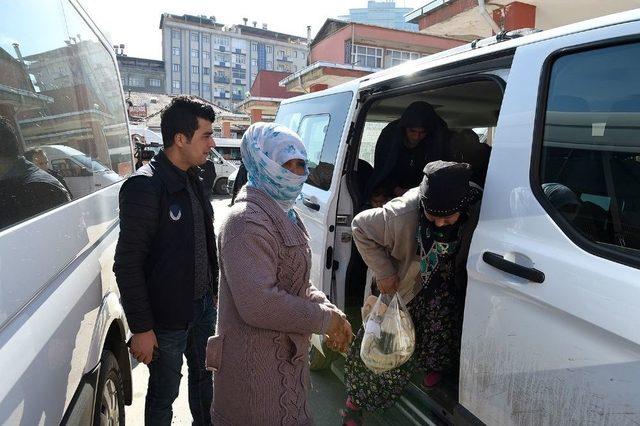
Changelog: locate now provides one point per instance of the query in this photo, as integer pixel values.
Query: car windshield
(90, 164)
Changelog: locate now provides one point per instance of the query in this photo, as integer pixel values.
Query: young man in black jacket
(165, 262)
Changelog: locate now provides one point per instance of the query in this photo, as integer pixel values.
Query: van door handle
(313, 206)
(513, 268)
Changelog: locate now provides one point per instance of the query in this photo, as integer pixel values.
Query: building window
(206, 56)
(195, 87)
(269, 49)
(176, 67)
(269, 65)
(239, 59)
(254, 63)
(206, 70)
(136, 81)
(206, 88)
(154, 82)
(280, 54)
(295, 54)
(254, 47)
(239, 73)
(175, 51)
(364, 56)
(195, 53)
(195, 37)
(301, 55)
(195, 69)
(175, 34)
(206, 38)
(175, 84)
(396, 57)
(225, 41)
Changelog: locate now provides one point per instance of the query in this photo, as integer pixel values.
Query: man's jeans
(164, 373)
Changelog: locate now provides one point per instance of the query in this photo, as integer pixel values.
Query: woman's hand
(388, 285)
(339, 334)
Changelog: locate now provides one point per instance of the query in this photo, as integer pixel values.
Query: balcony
(224, 64)
(237, 97)
(221, 95)
(221, 79)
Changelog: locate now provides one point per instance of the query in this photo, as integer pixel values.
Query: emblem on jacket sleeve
(175, 213)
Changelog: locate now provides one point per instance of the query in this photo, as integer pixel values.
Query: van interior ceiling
(471, 105)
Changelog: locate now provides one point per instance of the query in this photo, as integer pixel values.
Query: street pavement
(327, 394)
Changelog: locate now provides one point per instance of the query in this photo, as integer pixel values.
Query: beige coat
(386, 239)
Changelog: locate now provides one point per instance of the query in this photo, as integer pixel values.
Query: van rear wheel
(110, 393)
(220, 187)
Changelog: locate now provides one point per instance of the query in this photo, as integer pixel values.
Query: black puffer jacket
(154, 260)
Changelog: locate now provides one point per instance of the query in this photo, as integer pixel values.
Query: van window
(319, 122)
(63, 124)
(590, 159)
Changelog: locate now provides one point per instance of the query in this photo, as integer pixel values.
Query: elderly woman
(267, 307)
(417, 245)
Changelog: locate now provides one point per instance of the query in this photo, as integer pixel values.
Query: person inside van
(405, 146)
(431, 226)
(25, 189)
(380, 196)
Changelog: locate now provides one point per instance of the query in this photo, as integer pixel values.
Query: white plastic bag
(389, 335)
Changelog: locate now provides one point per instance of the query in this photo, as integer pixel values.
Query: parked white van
(229, 149)
(63, 332)
(550, 331)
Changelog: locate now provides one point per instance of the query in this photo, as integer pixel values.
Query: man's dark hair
(8, 139)
(181, 116)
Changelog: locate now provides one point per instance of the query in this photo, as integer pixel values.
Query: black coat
(154, 260)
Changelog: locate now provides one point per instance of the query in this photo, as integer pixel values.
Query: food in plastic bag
(389, 335)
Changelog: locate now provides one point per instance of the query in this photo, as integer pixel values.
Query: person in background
(268, 309)
(25, 189)
(166, 262)
(38, 157)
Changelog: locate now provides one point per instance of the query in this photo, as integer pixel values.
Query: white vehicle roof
(227, 142)
(62, 149)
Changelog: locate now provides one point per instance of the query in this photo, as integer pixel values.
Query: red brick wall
(266, 85)
(448, 11)
(331, 49)
(515, 15)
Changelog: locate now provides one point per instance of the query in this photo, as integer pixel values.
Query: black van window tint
(63, 130)
(590, 162)
(320, 123)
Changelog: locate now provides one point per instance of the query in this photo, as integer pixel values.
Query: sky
(136, 23)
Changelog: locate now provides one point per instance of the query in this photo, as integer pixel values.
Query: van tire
(319, 362)
(109, 409)
(220, 187)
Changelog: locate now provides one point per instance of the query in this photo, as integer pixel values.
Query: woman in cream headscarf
(267, 307)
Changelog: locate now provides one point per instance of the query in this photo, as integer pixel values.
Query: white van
(229, 149)
(224, 169)
(63, 332)
(550, 331)
(82, 174)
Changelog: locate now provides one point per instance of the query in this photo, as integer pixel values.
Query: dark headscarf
(421, 114)
(445, 188)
